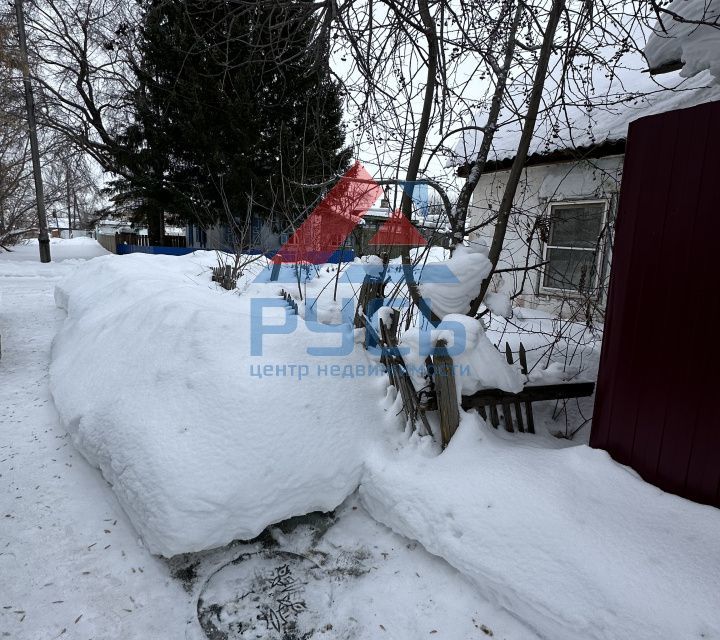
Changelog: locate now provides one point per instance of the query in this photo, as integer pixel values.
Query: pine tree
(233, 109)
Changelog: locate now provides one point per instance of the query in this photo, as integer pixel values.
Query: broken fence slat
(519, 417)
(516, 405)
(529, 416)
(531, 393)
(523, 359)
(494, 417)
(507, 414)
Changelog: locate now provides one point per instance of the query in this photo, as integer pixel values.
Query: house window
(571, 252)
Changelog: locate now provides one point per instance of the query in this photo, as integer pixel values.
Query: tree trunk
(478, 166)
(522, 151)
(417, 155)
(156, 227)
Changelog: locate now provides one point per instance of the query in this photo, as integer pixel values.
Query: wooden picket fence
(372, 289)
(144, 240)
(439, 393)
(488, 402)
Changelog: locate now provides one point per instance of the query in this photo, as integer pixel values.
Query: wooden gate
(656, 407)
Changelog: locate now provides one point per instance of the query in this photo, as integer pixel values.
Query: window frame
(599, 246)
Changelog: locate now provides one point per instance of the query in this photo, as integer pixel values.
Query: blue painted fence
(341, 255)
(124, 249)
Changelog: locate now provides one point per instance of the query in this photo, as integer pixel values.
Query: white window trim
(554, 291)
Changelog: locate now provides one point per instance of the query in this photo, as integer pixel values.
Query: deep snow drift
(152, 376)
(571, 542)
(61, 249)
(70, 563)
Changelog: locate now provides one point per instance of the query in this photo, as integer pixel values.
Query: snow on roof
(378, 212)
(696, 46)
(111, 222)
(597, 113)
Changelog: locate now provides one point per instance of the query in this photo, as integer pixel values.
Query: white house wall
(540, 186)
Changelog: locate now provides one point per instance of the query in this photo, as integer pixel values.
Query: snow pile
(477, 363)
(498, 303)
(153, 376)
(203, 442)
(61, 249)
(449, 286)
(697, 46)
(574, 544)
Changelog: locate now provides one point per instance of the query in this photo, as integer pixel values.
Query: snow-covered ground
(345, 575)
(70, 562)
(204, 443)
(571, 542)
(72, 565)
(520, 536)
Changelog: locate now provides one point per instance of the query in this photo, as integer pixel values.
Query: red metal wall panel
(657, 403)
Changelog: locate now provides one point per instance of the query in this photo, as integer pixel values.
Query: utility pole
(69, 202)
(44, 240)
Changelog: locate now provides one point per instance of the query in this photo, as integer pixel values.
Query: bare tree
(419, 74)
(73, 190)
(17, 205)
(82, 57)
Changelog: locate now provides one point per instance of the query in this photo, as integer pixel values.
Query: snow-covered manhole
(276, 595)
(341, 576)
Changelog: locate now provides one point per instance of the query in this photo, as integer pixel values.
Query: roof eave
(601, 150)
(666, 67)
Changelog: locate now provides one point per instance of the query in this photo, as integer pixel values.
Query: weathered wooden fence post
(372, 289)
(506, 407)
(528, 405)
(446, 392)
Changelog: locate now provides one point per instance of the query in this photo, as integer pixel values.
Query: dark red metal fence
(657, 405)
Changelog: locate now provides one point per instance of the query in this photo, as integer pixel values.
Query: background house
(255, 234)
(559, 241)
(363, 233)
(120, 236)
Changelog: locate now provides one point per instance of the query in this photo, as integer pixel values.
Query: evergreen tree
(233, 109)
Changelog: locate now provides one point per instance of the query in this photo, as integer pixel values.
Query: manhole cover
(271, 594)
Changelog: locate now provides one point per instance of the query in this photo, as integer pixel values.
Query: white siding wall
(540, 186)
